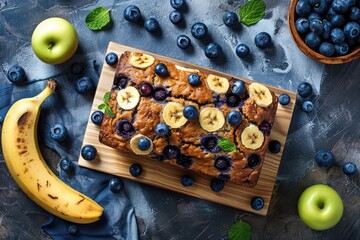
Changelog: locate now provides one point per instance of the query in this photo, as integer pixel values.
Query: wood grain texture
(166, 176)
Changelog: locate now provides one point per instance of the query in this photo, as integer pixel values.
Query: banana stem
(49, 89)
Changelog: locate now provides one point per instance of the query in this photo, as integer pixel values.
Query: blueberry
(175, 17)
(84, 85)
(238, 88)
(116, 185)
(234, 118)
(324, 158)
(313, 16)
(233, 100)
(111, 58)
(316, 26)
(284, 99)
(321, 7)
(262, 40)
(72, 229)
(253, 161)
(135, 170)
(338, 20)
(161, 70)
(217, 185)
(307, 106)
(222, 163)
(330, 14)
(121, 81)
(327, 30)
(146, 89)
(88, 152)
(132, 14)
(327, 49)
(190, 112)
(350, 3)
(354, 14)
(337, 36)
(160, 94)
(144, 143)
(230, 19)
(67, 165)
(16, 74)
(257, 203)
(352, 30)
(312, 40)
(305, 89)
(339, 6)
(302, 25)
(97, 117)
(313, 2)
(151, 25)
(76, 68)
(186, 180)
(274, 146)
(194, 79)
(162, 129)
(58, 132)
(213, 50)
(199, 30)
(302, 8)
(183, 41)
(242, 50)
(349, 168)
(124, 128)
(342, 49)
(171, 152)
(209, 143)
(178, 4)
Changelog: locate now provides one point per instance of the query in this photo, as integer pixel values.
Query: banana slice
(134, 145)
(128, 98)
(217, 84)
(252, 137)
(192, 70)
(140, 60)
(211, 119)
(173, 115)
(261, 94)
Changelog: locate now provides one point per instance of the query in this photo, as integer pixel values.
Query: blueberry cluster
(330, 27)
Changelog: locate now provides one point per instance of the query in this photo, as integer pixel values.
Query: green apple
(320, 207)
(54, 40)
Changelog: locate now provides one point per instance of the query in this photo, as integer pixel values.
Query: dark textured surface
(162, 214)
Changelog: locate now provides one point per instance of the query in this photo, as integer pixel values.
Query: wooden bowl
(354, 54)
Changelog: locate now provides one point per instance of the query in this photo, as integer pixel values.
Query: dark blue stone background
(163, 214)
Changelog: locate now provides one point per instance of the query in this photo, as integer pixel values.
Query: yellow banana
(30, 171)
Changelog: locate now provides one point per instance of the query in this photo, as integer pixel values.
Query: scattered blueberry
(124, 128)
(135, 170)
(58, 132)
(162, 129)
(217, 184)
(312, 40)
(194, 79)
(199, 30)
(222, 163)
(257, 203)
(302, 8)
(302, 25)
(190, 112)
(186, 180)
(307, 106)
(253, 160)
(116, 185)
(337, 36)
(175, 17)
(161, 70)
(242, 50)
(88, 152)
(349, 168)
(284, 99)
(151, 25)
(67, 165)
(146, 89)
(338, 20)
(144, 143)
(238, 88)
(160, 94)
(97, 117)
(327, 49)
(234, 118)
(84, 85)
(16, 74)
(342, 49)
(177, 4)
(76, 68)
(274, 146)
(132, 14)
(72, 229)
(262, 40)
(339, 6)
(171, 152)
(316, 26)
(230, 19)
(111, 58)
(183, 41)
(213, 50)
(304, 89)
(209, 143)
(352, 30)
(324, 158)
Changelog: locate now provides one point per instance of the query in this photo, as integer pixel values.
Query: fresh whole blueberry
(337, 36)
(213, 50)
(160, 94)
(88, 152)
(72, 229)
(324, 158)
(121, 81)
(76, 68)
(304, 89)
(339, 6)
(349, 168)
(111, 58)
(234, 118)
(16, 74)
(161, 70)
(217, 185)
(194, 79)
(183, 41)
(58, 132)
(342, 49)
(238, 88)
(124, 128)
(144, 143)
(232, 100)
(97, 117)
(190, 112)
(171, 152)
(151, 25)
(178, 4)
(67, 165)
(284, 99)
(257, 203)
(302, 8)
(162, 130)
(262, 40)
(84, 85)
(338, 20)
(175, 17)
(313, 16)
(209, 143)
(186, 180)
(135, 170)
(327, 29)
(116, 185)
(146, 89)
(351, 30)
(274, 146)
(302, 25)
(199, 30)
(132, 14)
(354, 14)
(242, 50)
(222, 163)
(253, 161)
(321, 7)
(230, 19)
(330, 14)
(307, 106)
(316, 26)
(327, 49)
(312, 40)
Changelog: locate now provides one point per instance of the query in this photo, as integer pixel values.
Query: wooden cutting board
(155, 173)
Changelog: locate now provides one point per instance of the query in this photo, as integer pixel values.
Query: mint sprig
(240, 230)
(252, 11)
(105, 107)
(98, 18)
(226, 145)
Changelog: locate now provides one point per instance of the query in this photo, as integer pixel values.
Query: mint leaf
(226, 145)
(109, 112)
(98, 18)
(102, 106)
(106, 97)
(240, 230)
(252, 12)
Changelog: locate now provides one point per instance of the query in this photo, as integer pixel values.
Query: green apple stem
(51, 45)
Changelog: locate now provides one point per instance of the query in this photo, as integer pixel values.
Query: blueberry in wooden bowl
(327, 31)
